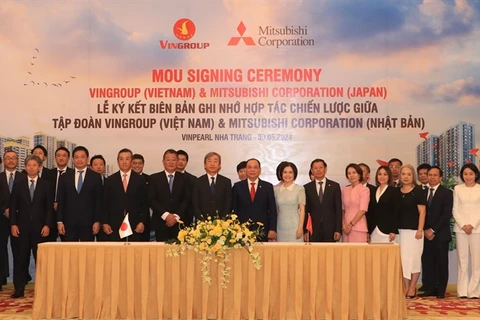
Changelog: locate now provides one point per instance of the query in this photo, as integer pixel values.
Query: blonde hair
(414, 173)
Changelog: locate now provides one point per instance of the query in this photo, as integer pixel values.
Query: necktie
(212, 185)
(170, 181)
(10, 182)
(124, 182)
(320, 192)
(395, 184)
(32, 188)
(430, 196)
(60, 172)
(252, 191)
(80, 181)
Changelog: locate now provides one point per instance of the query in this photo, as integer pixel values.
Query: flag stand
(126, 243)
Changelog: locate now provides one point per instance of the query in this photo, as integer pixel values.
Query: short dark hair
(357, 169)
(125, 150)
(80, 148)
(438, 168)
(389, 173)
(286, 164)
(280, 170)
(254, 159)
(423, 166)
(63, 149)
(318, 160)
(39, 146)
(95, 157)
(470, 166)
(182, 153)
(365, 165)
(241, 165)
(138, 156)
(395, 160)
(169, 151)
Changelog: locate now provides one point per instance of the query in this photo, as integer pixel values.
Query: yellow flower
(209, 240)
(181, 235)
(260, 224)
(234, 217)
(217, 230)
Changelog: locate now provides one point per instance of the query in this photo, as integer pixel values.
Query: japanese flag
(125, 229)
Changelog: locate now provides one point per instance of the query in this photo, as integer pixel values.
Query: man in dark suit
(98, 164)
(395, 164)
(7, 180)
(422, 173)
(324, 205)
(181, 167)
(79, 198)
(31, 212)
(125, 192)
(254, 199)
(62, 157)
(44, 172)
(373, 189)
(169, 196)
(138, 163)
(437, 235)
(212, 195)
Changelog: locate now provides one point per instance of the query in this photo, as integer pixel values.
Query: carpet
(451, 307)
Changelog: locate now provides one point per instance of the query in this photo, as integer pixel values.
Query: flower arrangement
(212, 238)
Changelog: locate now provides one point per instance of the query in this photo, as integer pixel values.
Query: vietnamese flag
(309, 224)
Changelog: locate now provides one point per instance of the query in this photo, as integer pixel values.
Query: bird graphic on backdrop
(36, 57)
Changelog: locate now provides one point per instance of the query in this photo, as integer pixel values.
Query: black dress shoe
(1, 289)
(428, 294)
(473, 297)
(17, 294)
(29, 278)
(422, 288)
(4, 281)
(463, 297)
(440, 296)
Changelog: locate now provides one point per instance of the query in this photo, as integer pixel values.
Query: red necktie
(252, 191)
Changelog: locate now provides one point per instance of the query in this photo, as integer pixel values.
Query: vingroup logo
(184, 29)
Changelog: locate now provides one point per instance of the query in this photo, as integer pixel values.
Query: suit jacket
(162, 200)
(217, 204)
(117, 202)
(84, 208)
(5, 191)
(328, 214)
(439, 213)
(54, 174)
(263, 207)
(192, 180)
(382, 213)
(37, 213)
(146, 177)
(373, 190)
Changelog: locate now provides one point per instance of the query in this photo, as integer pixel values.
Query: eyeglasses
(10, 158)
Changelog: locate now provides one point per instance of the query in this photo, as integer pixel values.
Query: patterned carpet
(418, 309)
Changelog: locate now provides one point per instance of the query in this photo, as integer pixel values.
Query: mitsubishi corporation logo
(241, 30)
(184, 29)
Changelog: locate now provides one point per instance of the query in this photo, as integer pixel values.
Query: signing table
(296, 281)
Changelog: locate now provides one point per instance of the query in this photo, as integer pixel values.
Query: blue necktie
(32, 189)
(170, 181)
(212, 185)
(10, 183)
(80, 181)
